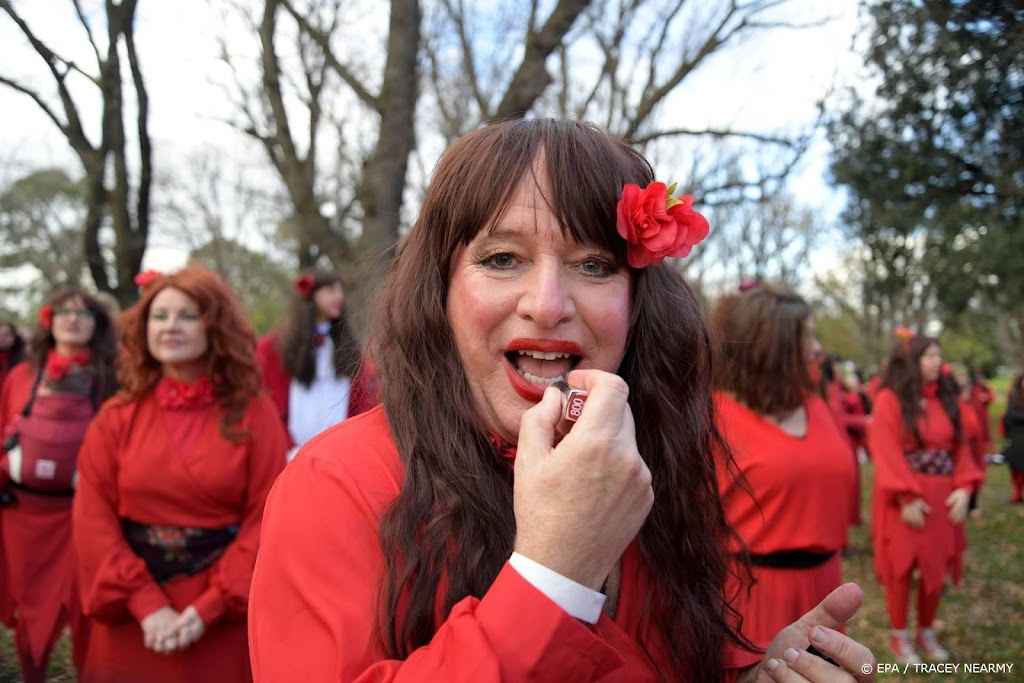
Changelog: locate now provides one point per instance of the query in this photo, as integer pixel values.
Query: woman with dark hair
(174, 474)
(956, 374)
(924, 475)
(312, 366)
(830, 387)
(453, 533)
(789, 497)
(12, 349)
(1013, 430)
(46, 405)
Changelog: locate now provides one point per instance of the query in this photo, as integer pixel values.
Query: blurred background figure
(46, 405)
(174, 474)
(832, 390)
(12, 348)
(1013, 429)
(924, 476)
(791, 498)
(981, 399)
(958, 376)
(312, 365)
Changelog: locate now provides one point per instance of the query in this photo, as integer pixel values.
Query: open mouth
(542, 367)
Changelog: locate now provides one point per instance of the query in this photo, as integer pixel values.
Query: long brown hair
(761, 333)
(1015, 396)
(229, 358)
(453, 520)
(903, 376)
(295, 344)
(102, 345)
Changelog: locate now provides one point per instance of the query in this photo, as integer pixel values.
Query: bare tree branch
(717, 133)
(88, 31)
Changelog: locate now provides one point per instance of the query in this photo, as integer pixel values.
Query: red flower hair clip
(147, 276)
(904, 334)
(305, 285)
(748, 284)
(46, 316)
(656, 224)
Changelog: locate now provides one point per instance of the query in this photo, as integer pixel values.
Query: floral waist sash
(172, 550)
(929, 461)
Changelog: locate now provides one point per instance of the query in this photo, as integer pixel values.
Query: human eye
(190, 315)
(501, 260)
(599, 266)
(158, 314)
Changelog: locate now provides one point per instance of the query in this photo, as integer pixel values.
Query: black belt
(791, 559)
(169, 551)
(56, 493)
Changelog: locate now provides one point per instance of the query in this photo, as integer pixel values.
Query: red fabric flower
(58, 365)
(748, 284)
(177, 395)
(305, 285)
(656, 224)
(147, 276)
(904, 334)
(46, 316)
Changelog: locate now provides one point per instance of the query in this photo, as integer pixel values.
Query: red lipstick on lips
(521, 385)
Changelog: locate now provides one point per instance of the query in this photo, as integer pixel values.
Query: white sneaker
(903, 649)
(929, 646)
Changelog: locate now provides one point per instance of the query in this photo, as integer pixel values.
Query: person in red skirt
(174, 473)
(790, 496)
(46, 404)
(924, 477)
(1013, 431)
(312, 365)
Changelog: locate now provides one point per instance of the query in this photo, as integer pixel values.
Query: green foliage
(42, 218)
(934, 163)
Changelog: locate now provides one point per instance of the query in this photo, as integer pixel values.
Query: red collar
(930, 389)
(175, 394)
(504, 448)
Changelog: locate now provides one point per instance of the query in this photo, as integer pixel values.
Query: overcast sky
(772, 82)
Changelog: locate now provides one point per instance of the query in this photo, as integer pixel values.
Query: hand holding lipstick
(579, 503)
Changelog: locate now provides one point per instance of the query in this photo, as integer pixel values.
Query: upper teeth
(544, 355)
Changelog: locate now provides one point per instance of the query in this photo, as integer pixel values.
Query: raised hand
(579, 503)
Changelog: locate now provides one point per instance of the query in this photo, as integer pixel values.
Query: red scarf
(58, 365)
(175, 394)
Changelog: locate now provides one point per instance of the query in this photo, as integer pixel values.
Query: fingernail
(790, 655)
(773, 664)
(818, 635)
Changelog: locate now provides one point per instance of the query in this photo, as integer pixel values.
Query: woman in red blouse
(46, 405)
(453, 533)
(174, 473)
(924, 477)
(794, 475)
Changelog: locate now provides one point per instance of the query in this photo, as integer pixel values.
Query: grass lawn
(981, 622)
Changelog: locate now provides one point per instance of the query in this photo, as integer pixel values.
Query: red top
(14, 394)
(889, 441)
(317, 586)
(130, 467)
(802, 484)
(361, 396)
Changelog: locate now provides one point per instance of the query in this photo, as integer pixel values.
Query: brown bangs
(584, 186)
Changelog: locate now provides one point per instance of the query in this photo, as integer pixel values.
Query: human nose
(548, 299)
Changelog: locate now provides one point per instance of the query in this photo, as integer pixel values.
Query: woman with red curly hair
(173, 477)
(312, 365)
(46, 406)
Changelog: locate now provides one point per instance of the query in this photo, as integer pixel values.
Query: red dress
(362, 395)
(152, 465)
(847, 422)
(802, 486)
(37, 576)
(899, 547)
(976, 441)
(318, 578)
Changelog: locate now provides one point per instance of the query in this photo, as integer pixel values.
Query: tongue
(544, 368)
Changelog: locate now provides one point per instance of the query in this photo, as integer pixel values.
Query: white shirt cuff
(575, 598)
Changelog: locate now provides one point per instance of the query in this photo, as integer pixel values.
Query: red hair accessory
(656, 224)
(46, 316)
(748, 284)
(305, 285)
(904, 334)
(147, 276)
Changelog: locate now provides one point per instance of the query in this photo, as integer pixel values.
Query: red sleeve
(966, 474)
(316, 591)
(231, 575)
(113, 580)
(885, 442)
(363, 395)
(275, 378)
(17, 386)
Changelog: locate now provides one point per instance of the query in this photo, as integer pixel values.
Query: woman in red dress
(12, 349)
(312, 366)
(957, 375)
(794, 472)
(46, 405)
(923, 482)
(453, 533)
(174, 473)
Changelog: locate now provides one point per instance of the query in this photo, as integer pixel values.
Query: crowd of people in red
(442, 520)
